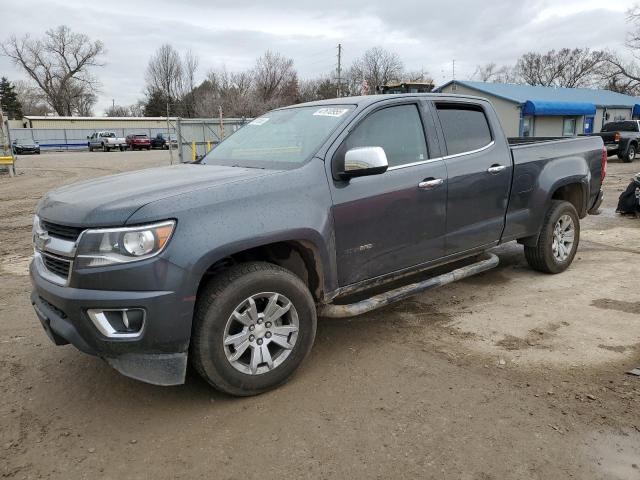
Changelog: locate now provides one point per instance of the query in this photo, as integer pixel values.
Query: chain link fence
(196, 136)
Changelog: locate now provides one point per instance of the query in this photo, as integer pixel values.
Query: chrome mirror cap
(363, 161)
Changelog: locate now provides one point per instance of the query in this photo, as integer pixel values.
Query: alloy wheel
(260, 333)
(563, 238)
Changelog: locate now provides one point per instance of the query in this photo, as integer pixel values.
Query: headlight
(110, 246)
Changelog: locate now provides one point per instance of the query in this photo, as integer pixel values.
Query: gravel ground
(510, 374)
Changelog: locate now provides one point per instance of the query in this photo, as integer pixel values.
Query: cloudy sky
(427, 34)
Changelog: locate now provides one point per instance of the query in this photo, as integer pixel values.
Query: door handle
(428, 183)
(493, 169)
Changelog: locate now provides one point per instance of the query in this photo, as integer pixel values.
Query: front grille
(61, 231)
(57, 265)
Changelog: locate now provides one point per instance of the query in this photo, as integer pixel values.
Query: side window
(465, 127)
(396, 129)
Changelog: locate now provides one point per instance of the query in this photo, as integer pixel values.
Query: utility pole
(113, 103)
(453, 73)
(339, 89)
(169, 137)
(221, 123)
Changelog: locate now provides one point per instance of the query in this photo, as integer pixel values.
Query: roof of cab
(364, 100)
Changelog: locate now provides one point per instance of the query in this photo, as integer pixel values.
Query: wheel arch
(301, 256)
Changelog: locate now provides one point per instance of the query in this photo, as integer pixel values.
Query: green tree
(9, 100)
(155, 105)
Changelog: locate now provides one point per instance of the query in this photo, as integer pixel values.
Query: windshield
(279, 139)
(108, 134)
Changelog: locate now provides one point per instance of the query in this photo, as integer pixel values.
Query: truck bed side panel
(540, 169)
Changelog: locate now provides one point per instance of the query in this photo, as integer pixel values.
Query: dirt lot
(511, 374)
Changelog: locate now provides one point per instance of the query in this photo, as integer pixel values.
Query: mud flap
(158, 369)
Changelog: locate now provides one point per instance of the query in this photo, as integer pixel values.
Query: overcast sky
(427, 34)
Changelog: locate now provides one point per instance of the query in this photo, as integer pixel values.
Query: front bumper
(158, 355)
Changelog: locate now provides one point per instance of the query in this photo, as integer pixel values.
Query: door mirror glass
(362, 161)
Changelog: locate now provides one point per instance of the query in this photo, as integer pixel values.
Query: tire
(105, 148)
(542, 257)
(89, 147)
(230, 292)
(630, 155)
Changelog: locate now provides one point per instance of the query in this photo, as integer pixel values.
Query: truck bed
(532, 158)
(514, 141)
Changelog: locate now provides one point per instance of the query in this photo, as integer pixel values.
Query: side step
(344, 311)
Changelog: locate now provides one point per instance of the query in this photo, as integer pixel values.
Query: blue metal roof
(540, 108)
(523, 93)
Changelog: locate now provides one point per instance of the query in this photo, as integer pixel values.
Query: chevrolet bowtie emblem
(40, 240)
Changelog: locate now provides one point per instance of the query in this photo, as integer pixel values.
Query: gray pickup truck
(331, 208)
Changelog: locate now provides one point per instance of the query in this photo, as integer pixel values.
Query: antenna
(339, 89)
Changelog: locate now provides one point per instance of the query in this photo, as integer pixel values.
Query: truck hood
(111, 200)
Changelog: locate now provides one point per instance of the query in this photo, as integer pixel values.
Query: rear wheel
(254, 325)
(630, 154)
(558, 241)
(105, 148)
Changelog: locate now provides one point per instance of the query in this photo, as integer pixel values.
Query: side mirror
(88, 137)
(363, 161)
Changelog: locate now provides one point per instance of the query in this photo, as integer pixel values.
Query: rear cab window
(621, 127)
(465, 127)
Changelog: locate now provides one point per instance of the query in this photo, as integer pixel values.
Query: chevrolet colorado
(306, 211)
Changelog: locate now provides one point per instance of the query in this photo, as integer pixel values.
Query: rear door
(395, 220)
(479, 175)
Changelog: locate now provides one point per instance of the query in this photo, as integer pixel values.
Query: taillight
(603, 167)
(616, 137)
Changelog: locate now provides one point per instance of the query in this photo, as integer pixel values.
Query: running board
(344, 311)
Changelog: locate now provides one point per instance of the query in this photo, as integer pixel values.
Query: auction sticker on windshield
(331, 112)
(259, 121)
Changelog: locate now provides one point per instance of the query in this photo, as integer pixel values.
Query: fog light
(118, 323)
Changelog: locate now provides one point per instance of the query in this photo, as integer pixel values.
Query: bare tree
(118, 111)
(32, 99)
(578, 67)
(623, 75)
(233, 92)
(275, 79)
(60, 64)
(421, 76)
(171, 79)
(165, 73)
(491, 72)
(376, 67)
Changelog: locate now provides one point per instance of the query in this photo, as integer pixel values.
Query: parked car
(160, 141)
(621, 139)
(106, 141)
(22, 146)
(138, 142)
(228, 262)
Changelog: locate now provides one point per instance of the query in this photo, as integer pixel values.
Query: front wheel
(630, 154)
(558, 241)
(254, 324)
(105, 148)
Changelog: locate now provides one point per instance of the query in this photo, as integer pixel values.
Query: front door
(479, 177)
(394, 220)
